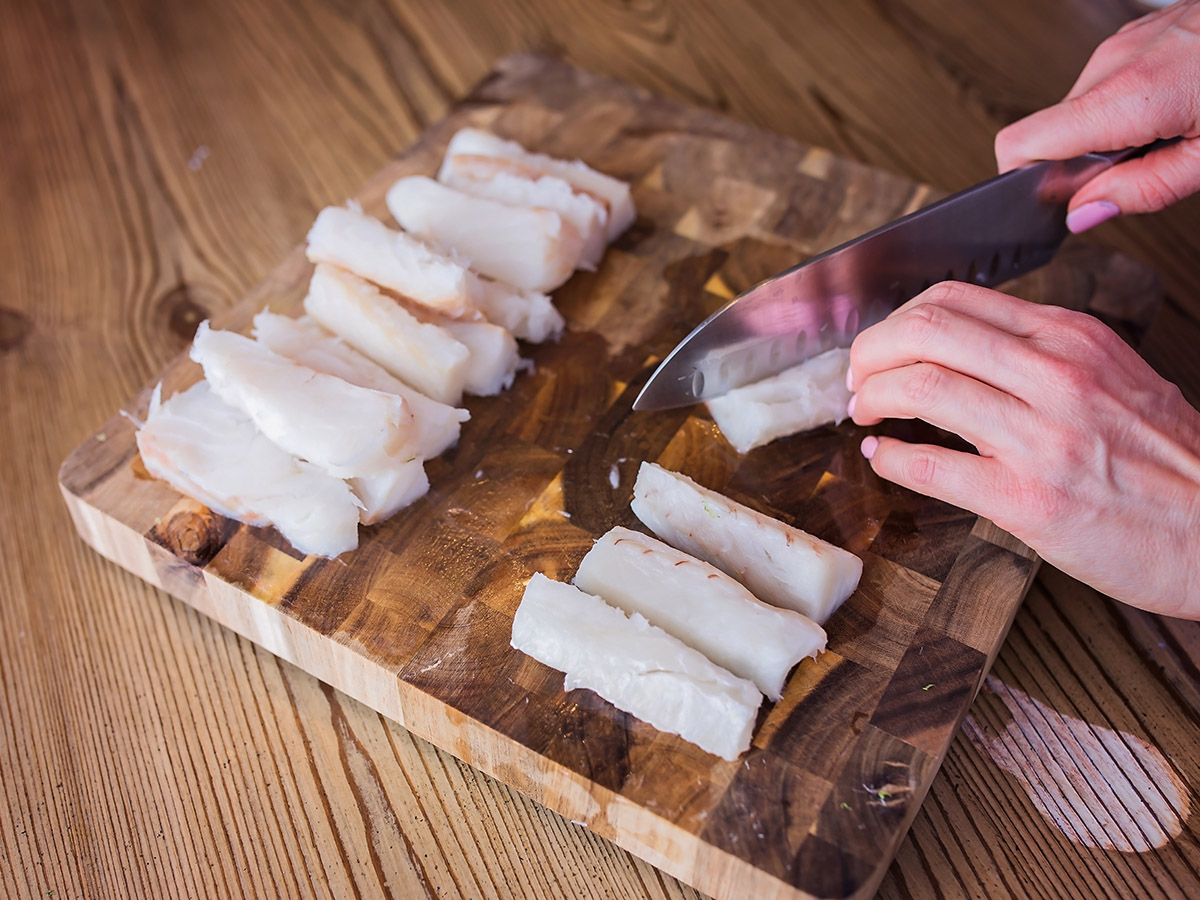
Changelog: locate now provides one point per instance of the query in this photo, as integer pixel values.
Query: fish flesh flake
(636, 667)
(424, 355)
(210, 451)
(778, 563)
(528, 315)
(345, 429)
(805, 396)
(701, 605)
(613, 192)
(534, 249)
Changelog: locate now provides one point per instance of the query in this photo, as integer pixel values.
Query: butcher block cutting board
(416, 621)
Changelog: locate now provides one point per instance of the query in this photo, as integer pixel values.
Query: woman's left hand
(1085, 453)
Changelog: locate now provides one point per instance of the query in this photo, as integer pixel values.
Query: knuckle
(923, 324)
(1069, 376)
(921, 469)
(1155, 192)
(921, 384)
(949, 291)
(1092, 333)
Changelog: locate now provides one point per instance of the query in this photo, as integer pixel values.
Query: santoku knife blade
(987, 234)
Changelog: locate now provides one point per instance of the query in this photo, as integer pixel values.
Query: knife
(986, 234)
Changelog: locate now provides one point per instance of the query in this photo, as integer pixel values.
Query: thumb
(1144, 185)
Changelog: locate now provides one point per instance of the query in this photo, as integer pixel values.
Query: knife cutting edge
(999, 229)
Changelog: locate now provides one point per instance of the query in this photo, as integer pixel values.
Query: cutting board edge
(705, 867)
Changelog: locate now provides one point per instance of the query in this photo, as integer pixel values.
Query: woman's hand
(1085, 453)
(1141, 84)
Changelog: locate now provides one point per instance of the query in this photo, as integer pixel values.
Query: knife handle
(1063, 178)
(1120, 156)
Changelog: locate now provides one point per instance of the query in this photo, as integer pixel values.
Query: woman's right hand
(1141, 84)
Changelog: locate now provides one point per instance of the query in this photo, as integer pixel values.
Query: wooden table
(158, 159)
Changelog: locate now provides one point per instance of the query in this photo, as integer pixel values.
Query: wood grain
(416, 622)
(143, 736)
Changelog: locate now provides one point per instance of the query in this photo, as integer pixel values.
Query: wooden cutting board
(416, 622)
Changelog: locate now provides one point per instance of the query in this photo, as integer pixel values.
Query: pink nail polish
(849, 380)
(1090, 215)
(850, 406)
(869, 443)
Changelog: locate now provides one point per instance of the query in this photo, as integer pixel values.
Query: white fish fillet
(424, 355)
(534, 249)
(797, 399)
(306, 342)
(701, 605)
(528, 315)
(354, 241)
(345, 429)
(636, 667)
(614, 192)
(212, 452)
(511, 182)
(778, 563)
(385, 493)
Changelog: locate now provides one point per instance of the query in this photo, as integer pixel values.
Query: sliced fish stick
(345, 429)
(513, 183)
(778, 563)
(358, 243)
(421, 354)
(212, 452)
(805, 396)
(306, 342)
(533, 249)
(614, 192)
(701, 605)
(636, 667)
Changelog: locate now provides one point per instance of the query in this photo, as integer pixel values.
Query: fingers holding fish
(990, 419)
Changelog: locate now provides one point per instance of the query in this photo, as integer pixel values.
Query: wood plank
(415, 623)
(297, 104)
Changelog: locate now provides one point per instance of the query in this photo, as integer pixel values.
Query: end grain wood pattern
(416, 622)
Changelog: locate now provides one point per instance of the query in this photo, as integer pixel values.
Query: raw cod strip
(533, 249)
(778, 563)
(614, 192)
(636, 667)
(345, 429)
(351, 240)
(425, 356)
(701, 606)
(510, 182)
(213, 453)
(797, 399)
(306, 342)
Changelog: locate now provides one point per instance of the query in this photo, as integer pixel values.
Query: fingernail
(849, 380)
(1090, 215)
(869, 443)
(850, 406)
